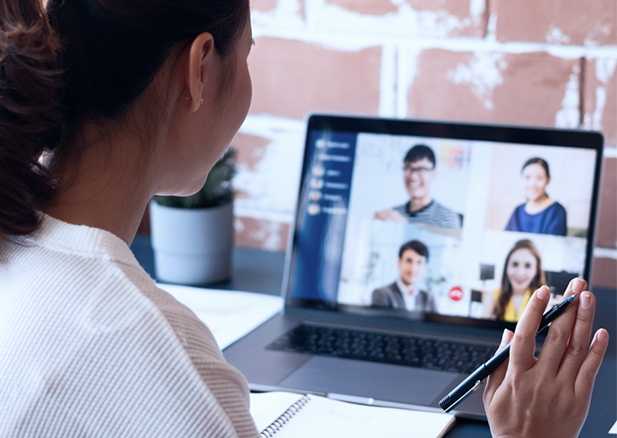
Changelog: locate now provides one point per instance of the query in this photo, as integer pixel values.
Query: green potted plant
(192, 236)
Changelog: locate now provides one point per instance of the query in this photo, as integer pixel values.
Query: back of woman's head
(77, 61)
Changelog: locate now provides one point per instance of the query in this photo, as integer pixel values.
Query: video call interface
(422, 225)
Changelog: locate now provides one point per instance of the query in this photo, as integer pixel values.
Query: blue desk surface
(262, 271)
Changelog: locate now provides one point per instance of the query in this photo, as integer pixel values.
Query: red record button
(456, 293)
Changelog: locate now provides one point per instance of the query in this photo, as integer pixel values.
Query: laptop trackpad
(371, 380)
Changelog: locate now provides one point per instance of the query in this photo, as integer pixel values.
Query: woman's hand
(547, 396)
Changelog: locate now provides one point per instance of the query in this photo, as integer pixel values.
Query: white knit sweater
(90, 347)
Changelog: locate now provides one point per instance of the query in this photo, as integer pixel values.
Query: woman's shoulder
(557, 207)
(101, 285)
(518, 209)
(173, 317)
(554, 211)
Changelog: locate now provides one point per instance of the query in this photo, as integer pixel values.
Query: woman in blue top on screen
(540, 214)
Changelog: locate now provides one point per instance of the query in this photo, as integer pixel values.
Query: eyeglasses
(421, 171)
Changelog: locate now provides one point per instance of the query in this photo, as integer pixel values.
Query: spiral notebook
(286, 414)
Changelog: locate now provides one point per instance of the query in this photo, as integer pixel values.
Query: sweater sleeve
(225, 382)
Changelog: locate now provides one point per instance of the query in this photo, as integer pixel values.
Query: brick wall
(535, 62)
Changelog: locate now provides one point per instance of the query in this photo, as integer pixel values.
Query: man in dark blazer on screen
(404, 293)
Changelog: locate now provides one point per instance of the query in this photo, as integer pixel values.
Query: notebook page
(328, 418)
(267, 406)
(228, 314)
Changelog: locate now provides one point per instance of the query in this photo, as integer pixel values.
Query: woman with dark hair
(522, 274)
(539, 214)
(103, 104)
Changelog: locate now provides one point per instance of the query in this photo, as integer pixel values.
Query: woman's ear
(201, 54)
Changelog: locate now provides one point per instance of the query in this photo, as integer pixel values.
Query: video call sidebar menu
(321, 226)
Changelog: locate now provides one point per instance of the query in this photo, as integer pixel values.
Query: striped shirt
(434, 214)
(90, 347)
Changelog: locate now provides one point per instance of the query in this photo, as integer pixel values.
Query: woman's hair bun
(30, 111)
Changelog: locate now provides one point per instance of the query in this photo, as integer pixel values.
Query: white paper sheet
(327, 418)
(228, 314)
(613, 429)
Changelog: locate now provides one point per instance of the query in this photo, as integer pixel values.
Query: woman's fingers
(494, 380)
(524, 342)
(559, 337)
(579, 340)
(583, 386)
(576, 286)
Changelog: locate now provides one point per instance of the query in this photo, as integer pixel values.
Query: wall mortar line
(581, 92)
(487, 15)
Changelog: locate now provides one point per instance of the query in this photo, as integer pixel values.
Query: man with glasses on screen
(419, 173)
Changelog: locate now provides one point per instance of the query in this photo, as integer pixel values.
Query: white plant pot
(192, 246)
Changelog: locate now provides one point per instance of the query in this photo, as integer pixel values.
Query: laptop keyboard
(385, 348)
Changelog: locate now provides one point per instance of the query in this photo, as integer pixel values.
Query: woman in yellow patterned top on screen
(522, 274)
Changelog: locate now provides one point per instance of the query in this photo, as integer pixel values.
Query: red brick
(604, 273)
(526, 88)
(366, 7)
(263, 5)
(292, 78)
(600, 98)
(262, 234)
(572, 22)
(606, 232)
(250, 149)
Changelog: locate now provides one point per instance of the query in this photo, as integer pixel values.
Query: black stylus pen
(471, 383)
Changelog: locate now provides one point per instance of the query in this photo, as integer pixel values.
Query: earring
(201, 102)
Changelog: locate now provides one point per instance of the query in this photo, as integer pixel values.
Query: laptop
(415, 244)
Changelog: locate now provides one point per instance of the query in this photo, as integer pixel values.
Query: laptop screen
(440, 221)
